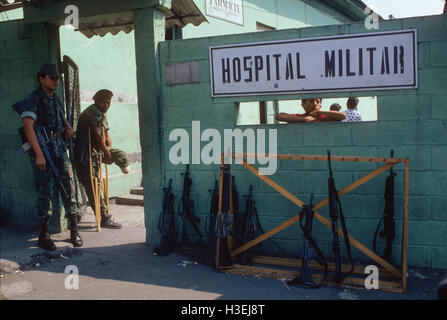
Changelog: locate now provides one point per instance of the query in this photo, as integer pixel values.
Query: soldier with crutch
(93, 147)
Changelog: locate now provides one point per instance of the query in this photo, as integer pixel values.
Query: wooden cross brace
(389, 162)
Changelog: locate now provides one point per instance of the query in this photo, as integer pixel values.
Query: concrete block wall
(411, 122)
(23, 48)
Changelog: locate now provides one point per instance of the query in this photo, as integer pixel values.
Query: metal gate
(72, 97)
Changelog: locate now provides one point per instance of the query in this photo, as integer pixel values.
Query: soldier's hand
(107, 157)
(41, 162)
(68, 133)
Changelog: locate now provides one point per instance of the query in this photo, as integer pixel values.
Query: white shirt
(352, 116)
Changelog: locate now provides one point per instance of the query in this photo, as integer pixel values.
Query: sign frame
(224, 19)
(414, 63)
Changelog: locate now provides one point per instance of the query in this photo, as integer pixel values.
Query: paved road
(118, 264)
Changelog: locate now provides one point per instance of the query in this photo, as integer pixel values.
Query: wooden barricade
(398, 278)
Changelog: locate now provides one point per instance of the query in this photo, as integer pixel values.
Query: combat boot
(75, 237)
(45, 241)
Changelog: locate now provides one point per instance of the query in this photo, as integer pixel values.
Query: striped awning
(182, 12)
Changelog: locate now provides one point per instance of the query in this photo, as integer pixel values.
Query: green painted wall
(11, 15)
(278, 14)
(109, 61)
(104, 62)
(412, 122)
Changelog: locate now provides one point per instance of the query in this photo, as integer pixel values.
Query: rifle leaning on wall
(250, 224)
(166, 224)
(388, 217)
(211, 221)
(186, 212)
(238, 218)
(249, 227)
(310, 251)
(336, 211)
(223, 223)
(45, 144)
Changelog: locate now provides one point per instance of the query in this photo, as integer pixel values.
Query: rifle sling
(258, 222)
(376, 232)
(196, 228)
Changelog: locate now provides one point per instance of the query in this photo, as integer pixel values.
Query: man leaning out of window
(312, 113)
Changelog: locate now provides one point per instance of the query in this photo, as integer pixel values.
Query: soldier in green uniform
(43, 108)
(95, 119)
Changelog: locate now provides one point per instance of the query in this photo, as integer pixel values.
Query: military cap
(103, 94)
(49, 69)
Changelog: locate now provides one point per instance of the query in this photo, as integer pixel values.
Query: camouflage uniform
(48, 112)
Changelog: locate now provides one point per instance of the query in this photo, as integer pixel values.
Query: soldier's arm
(68, 130)
(331, 115)
(28, 126)
(99, 142)
(285, 117)
(108, 139)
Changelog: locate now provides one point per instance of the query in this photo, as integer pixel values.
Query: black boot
(75, 237)
(45, 241)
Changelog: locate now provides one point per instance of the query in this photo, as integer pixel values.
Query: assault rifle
(311, 251)
(45, 145)
(212, 218)
(249, 227)
(238, 218)
(187, 211)
(387, 217)
(223, 223)
(166, 224)
(250, 224)
(334, 207)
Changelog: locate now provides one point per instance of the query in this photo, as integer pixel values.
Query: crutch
(96, 187)
(106, 182)
(106, 188)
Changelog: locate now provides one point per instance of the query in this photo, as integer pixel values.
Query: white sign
(228, 10)
(361, 62)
